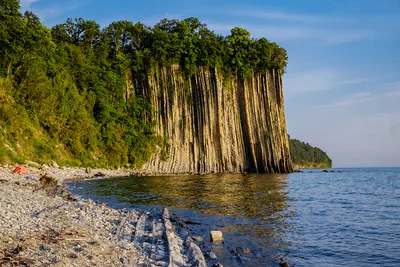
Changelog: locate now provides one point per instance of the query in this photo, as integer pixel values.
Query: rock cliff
(215, 125)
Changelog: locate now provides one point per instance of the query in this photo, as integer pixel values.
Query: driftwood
(19, 261)
(11, 257)
(179, 220)
(53, 236)
(48, 209)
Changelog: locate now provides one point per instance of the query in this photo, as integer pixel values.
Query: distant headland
(306, 156)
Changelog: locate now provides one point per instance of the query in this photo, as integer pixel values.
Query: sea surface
(344, 217)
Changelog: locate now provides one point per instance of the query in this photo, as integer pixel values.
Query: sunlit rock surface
(215, 125)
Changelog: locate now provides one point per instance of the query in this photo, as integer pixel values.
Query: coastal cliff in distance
(212, 126)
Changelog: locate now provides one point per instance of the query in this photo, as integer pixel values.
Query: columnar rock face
(214, 125)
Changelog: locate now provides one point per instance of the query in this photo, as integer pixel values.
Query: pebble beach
(41, 224)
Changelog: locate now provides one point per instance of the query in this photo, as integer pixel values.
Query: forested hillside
(66, 93)
(306, 156)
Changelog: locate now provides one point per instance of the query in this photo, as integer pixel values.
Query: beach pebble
(243, 250)
(52, 230)
(54, 164)
(197, 238)
(211, 255)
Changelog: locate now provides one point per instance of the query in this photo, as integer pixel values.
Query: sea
(333, 217)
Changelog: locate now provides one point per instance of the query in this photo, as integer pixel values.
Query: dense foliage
(64, 91)
(306, 156)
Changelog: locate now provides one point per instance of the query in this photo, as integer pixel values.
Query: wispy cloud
(392, 89)
(390, 121)
(277, 25)
(27, 3)
(297, 33)
(276, 33)
(341, 37)
(395, 93)
(353, 81)
(361, 95)
(385, 93)
(319, 80)
(49, 12)
(284, 16)
(349, 100)
(57, 9)
(309, 81)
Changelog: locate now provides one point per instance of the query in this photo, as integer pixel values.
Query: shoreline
(44, 225)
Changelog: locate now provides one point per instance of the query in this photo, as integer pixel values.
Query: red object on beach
(20, 170)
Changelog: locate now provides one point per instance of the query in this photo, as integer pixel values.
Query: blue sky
(342, 86)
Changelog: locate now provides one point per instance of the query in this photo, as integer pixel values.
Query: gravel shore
(42, 224)
(40, 228)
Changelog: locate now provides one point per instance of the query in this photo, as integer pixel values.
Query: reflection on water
(251, 209)
(349, 217)
(249, 196)
(246, 196)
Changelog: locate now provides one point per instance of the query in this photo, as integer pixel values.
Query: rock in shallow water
(211, 255)
(216, 236)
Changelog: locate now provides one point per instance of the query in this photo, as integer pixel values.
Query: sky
(342, 83)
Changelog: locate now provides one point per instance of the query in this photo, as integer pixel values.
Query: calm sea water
(349, 217)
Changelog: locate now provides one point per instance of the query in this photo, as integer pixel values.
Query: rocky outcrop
(215, 125)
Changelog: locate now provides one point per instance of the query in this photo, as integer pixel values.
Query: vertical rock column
(212, 126)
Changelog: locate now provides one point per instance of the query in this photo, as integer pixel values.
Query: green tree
(239, 43)
(11, 35)
(75, 29)
(91, 33)
(118, 34)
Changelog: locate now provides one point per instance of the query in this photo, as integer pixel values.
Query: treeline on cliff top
(63, 90)
(306, 156)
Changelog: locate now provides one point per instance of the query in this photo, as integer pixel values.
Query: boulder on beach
(54, 164)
